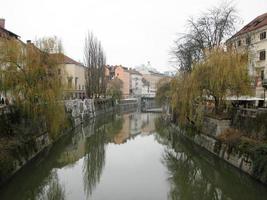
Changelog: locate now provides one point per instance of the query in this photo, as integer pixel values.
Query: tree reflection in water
(53, 190)
(193, 173)
(187, 179)
(94, 159)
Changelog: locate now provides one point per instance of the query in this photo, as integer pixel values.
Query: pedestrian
(2, 101)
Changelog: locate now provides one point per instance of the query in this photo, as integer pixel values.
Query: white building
(253, 37)
(135, 83)
(151, 77)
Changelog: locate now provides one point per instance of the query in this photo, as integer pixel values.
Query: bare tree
(207, 31)
(95, 61)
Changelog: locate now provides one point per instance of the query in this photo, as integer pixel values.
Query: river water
(129, 157)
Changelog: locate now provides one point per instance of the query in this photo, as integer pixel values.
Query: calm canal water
(129, 157)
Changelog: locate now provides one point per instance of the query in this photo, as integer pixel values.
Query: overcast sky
(132, 31)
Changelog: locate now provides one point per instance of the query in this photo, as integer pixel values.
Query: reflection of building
(135, 124)
(148, 125)
(253, 37)
(124, 133)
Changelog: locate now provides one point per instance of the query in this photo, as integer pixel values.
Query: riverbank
(20, 149)
(227, 141)
(86, 164)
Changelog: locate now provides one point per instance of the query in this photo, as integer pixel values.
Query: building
(132, 81)
(72, 72)
(135, 83)
(151, 77)
(253, 38)
(4, 33)
(123, 74)
(110, 71)
(73, 76)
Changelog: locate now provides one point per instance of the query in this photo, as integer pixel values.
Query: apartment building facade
(253, 37)
(73, 76)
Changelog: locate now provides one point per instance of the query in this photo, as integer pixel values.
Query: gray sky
(132, 31)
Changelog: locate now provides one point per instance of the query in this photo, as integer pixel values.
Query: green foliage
(163, 91)
(185, 96)
(260, 162)
(219, 75)
(114, 89)
(30, 78)
(255, 128)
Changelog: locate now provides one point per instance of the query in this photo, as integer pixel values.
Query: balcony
(264, 83)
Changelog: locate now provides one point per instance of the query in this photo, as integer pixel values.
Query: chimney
(2, 23)
(29, 41)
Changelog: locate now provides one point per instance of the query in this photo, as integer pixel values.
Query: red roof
(68, 60)
(255, 24)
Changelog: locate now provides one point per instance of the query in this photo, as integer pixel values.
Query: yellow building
(73, 76)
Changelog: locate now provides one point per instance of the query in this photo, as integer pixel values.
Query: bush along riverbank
(241, 140)
(22, 139)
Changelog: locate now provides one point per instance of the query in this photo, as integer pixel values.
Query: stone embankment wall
(78, 111)
(206, 138)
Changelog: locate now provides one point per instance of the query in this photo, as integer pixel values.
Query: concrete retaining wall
(208, 141)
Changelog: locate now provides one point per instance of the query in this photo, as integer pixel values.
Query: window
(76, 82)
(69, 82)
(262, 55)
(239, 43)
(59, 71)
(262, 74)
(248, 40)
(262, 35)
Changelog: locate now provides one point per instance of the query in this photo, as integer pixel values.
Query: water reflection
(53, 189)
(195, 174)
(129, 157)
(94, 160)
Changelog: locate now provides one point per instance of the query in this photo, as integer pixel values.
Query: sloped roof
(255, 24)
(68, 60)
(9, 33)
(132, 71)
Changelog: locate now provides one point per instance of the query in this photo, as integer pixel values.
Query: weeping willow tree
(31, 80)
(163, 91)
(223, 74)
(220, 75)
(185, 96)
